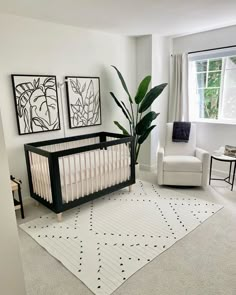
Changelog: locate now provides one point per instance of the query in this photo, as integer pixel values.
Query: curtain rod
(217, 48)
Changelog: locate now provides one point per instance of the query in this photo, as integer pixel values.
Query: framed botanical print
(36, 103)
(83, 100)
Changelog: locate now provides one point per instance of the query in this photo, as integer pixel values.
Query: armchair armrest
(204, 157)
(160, 157)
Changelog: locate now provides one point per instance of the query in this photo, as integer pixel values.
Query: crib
(67, 172)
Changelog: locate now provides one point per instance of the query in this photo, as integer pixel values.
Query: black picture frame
(81, 114)
(34, 114)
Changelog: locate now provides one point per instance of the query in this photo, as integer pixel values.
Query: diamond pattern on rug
(107, 240)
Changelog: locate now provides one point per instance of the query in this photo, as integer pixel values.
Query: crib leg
(130, 188)
(59, 217)
(36, 203)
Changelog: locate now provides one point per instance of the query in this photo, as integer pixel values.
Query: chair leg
(130, 188)
(59, 217)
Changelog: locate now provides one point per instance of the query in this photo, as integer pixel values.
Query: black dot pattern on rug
(119, 243)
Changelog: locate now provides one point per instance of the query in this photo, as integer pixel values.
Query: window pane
(229, 90)
(229, 103)
(214, 79)
(212, 85)
(201, 65)
(231, 62)
(211, 103)
(230, 73)
(200, 94)
(201, 80)
(215, 65)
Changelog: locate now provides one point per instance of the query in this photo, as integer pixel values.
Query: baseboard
(148, 168)
(144, 167)
(153, 169)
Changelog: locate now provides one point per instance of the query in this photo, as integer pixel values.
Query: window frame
(220, 119)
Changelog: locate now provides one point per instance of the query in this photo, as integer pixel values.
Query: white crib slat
(126, 161)
(91, 175)
(41, 178)
(48, 181)
(116, 167)
(81, 176)
(112, 165)
(65, 178)
(46, 178)
(122, 162)
(32, 168)
(86, 172)
(95, 169)
(70, 178)
(35, 172)
(129, 160)
(43, 174)
(108, 167)
(104, 168)
(120, 178)
(76, 178)
(100, 169)
(38, 175)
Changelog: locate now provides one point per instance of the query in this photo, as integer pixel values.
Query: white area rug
(106, 241)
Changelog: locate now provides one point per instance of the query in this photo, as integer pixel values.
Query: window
(212, 86)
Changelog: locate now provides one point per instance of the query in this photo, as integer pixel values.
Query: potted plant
(140, 123)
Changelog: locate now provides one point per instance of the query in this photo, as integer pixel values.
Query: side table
(16, 187)
(227, 159)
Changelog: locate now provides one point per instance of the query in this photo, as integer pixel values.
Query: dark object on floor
(16, 187)
(181, 131)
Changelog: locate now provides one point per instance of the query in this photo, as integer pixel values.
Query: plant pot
(137, 167)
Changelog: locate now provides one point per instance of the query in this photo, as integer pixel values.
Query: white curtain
(178, 108)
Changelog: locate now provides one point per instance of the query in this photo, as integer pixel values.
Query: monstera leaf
(44, 106)
(23, 93)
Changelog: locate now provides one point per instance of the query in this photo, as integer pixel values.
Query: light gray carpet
(201, 263)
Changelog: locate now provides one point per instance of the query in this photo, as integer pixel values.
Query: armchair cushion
(182, 164)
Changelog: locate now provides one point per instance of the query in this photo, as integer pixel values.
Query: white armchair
(180, 163)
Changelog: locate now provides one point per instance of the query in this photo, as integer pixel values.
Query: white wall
(11, 273)
(161, 47)
(144, 68)
(210, 136)
(35, 47)
(152, 56)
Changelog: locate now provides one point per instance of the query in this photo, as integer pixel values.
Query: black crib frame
(57, 205)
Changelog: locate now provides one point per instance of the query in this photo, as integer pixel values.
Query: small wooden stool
(16, 187)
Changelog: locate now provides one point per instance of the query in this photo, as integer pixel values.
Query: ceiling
(130, 17)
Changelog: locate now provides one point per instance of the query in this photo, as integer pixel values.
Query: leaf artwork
(36, 103)
(84, 101)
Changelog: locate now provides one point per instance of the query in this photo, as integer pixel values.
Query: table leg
(210, 171)
(233, 176)
(230, 167)
(21, 202)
